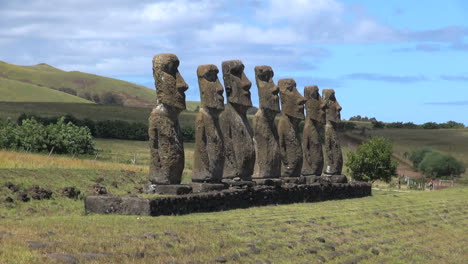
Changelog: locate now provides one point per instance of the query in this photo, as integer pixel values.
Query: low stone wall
(225, 200)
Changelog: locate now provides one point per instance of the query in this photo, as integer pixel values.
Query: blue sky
(393, 60)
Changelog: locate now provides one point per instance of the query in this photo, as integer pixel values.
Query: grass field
(16, 91)
(92, 111)
(389, 227)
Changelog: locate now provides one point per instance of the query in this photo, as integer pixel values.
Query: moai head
(314, 105)
(332, 107)
(267, 90)
(292, 102)
(211, 90)
(170, 85)
(236, 83)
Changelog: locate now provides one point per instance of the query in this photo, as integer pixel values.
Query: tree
(436, 164)
(378, 124)
(417, 156)
(372, 161)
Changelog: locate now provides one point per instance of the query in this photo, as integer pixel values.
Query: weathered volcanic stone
(209, 148)
(268, 159)
(333, 155)
(239, 147)
(207, 187)
(314, 121)
(226, 199)
(292, 104)
(165, 138)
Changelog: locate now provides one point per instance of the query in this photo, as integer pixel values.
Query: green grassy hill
(84, 85)
(16, 91)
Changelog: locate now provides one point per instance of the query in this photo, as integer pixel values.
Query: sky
(394, 60)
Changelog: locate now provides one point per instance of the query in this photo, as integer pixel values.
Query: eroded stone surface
(209, 148)
(267, 160)
(166, 144)
(313, 124)
(292, 105)
(333, 154)
(239, 147)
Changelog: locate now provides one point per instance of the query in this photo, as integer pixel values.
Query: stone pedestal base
(311, 179)
(268, 181)
(333, 179)
(198, 187)
(295, 180)
(174, 189)
(232, 184)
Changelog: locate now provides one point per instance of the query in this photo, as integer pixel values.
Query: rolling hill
(44, 83)
(16, 91)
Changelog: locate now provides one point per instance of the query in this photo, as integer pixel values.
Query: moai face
(267, 90)
(292, 102)
(314, 105)
(211, 90)
(170, 85)
(236, 83)
(332, 107)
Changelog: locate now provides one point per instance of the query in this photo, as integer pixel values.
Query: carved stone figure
(209, 149)
(237, 134)
(292, 105)
(166, 145)
(313, 124)
(268, 160)
(333, 155)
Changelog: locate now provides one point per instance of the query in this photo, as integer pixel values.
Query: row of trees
(60, 137)
(116, 129)
(410, 125)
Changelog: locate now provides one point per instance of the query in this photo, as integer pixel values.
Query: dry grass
(22, 160)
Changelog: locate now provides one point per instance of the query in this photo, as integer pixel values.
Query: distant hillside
(15, 91)
(70, 86)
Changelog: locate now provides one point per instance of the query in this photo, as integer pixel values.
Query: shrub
(372, 161)
(417, 156)
(430, 125)
(436, 164)
(60, 137)
(110, 98)
(378, 124)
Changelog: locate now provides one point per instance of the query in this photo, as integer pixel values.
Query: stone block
(268, 181)
(175, 189)
(198, 187)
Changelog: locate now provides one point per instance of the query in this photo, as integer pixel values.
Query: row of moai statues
(228, 151)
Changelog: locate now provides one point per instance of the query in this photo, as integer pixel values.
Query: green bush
(417, 156)
(372, 161)
(436, 164)
(61, 137)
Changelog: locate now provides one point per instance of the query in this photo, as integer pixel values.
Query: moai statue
(312, 165)
(333, 155)
(237, 134)
(166, 145)
(207, 171)
(267, 168)
(292, 106)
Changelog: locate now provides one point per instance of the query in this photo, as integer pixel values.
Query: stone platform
(225, 199)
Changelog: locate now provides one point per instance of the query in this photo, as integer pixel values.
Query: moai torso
(333, 155)
(165, 138)
(292, 104)
(237, 134)
(313, 124)
(267, 160)
(209, 148)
